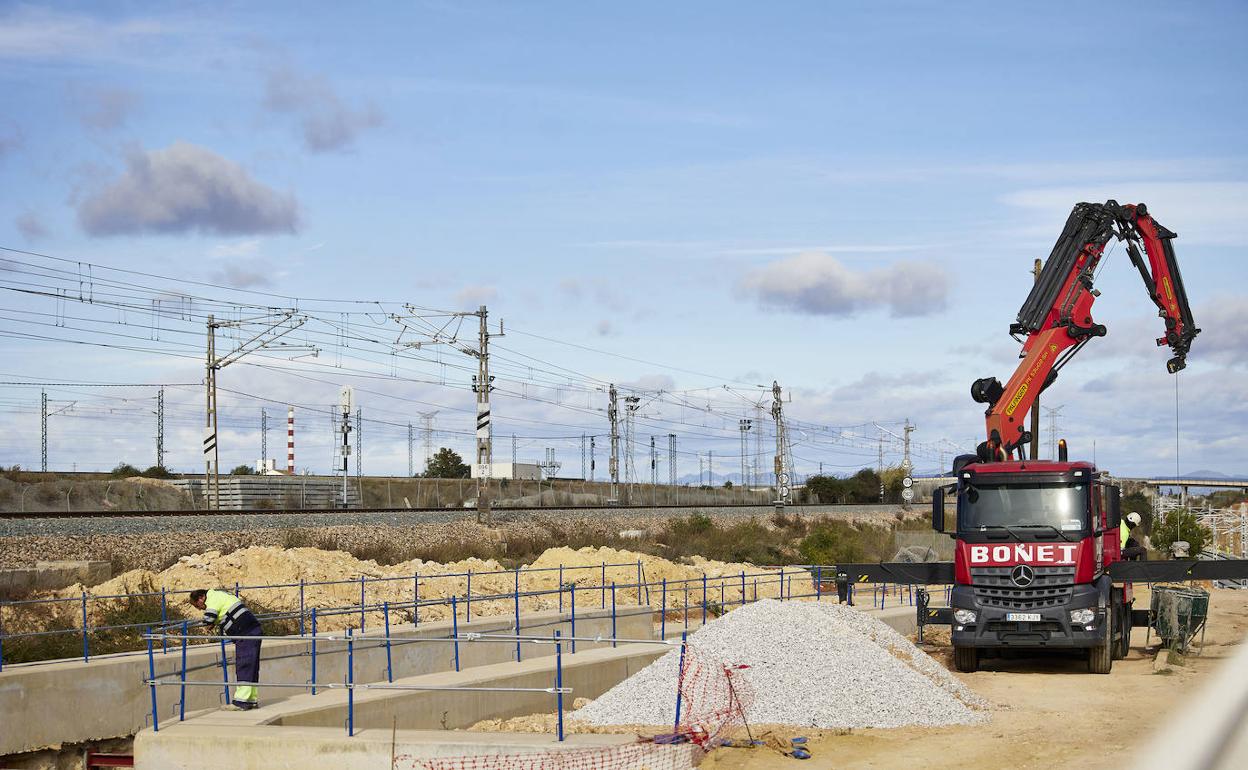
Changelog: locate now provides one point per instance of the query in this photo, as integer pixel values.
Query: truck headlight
(964, 617)
(1082, 617)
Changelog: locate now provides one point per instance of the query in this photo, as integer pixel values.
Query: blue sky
(842, 197)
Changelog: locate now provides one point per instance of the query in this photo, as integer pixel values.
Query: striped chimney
(290, 441)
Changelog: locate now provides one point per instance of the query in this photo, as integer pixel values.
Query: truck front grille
(1023, 598)
(1053, 587)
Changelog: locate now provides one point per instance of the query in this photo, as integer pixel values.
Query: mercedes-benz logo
(1023, 575)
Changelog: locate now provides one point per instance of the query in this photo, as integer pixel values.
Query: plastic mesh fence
(714, 697)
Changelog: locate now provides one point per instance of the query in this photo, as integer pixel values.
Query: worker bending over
(230, 616)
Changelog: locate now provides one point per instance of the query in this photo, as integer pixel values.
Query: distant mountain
(1205, 475)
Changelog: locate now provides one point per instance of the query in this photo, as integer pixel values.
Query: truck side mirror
(938, 509)
(1113, 508)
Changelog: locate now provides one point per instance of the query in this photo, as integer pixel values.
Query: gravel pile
(812, 664)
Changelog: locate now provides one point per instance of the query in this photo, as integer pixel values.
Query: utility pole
(907, 494)
(160, 428)
(43, 430)
(671, 459)
(744, 425)
(879, 468)
(584, 466)
(781, 464)
(710, 464)
(905, 456)
(290, 441)
(359, 450)
(482, 384)
(1035, 407)
(593, 459)
(344, 404)
(654, 465)
(1053, 415)
(411, 457)
(513, 455)
(426, 434)
(630, 467)
(614, 465)
(264, 439)
(273, 327)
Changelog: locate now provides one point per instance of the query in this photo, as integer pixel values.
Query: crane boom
(1056, 318)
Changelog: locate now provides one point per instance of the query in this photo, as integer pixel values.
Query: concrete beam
(47, 704)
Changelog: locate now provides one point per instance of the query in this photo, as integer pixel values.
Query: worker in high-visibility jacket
(1133, 548)
(227, 613)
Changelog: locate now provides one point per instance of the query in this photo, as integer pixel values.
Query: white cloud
(327, 124)
(816, 283)
(243, 275)
(27, 32)
(651, 383)
(30, 226)
(244, 248)
(475, 296)
(1200, 212)
(186, 188)
(105, 109)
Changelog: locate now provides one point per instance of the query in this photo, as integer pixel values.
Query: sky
(688, 200)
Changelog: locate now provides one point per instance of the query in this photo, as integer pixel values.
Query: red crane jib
(1055, 321)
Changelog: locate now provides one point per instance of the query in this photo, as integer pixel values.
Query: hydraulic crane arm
(1057, 315)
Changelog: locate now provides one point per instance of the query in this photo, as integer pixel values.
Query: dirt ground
(1049, 712)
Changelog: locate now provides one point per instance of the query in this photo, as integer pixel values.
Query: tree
(158, 472)
(243, 470)
(125, 471)
(446, 464)
(1181, 524)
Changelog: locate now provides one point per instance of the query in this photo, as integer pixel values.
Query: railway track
(19, 515)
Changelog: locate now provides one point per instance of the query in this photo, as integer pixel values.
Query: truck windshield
(1060, 506)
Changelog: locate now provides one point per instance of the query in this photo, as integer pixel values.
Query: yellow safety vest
(221, 608)
(1125, 531)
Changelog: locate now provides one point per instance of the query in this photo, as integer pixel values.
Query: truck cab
(1033, 541)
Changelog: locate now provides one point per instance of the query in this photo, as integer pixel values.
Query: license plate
(1023, 616)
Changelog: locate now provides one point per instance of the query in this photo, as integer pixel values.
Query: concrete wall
(309, 731)
(46, 704)
(589, 673)
(51, 575)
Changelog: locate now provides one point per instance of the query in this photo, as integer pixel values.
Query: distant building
(521, 471)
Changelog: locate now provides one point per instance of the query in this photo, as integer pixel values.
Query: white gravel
(812, 664)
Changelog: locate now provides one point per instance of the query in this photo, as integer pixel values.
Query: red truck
(1038, 558)
(1035, 538)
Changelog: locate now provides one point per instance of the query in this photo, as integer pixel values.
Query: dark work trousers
(246, 636)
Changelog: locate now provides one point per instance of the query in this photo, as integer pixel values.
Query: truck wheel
(1126, 631)
(1101, 657)
(966, 659)
(1122, 643)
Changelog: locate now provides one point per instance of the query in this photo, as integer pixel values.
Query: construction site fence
(710, 695)
(711, 596)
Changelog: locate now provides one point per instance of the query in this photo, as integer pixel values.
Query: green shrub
(124, 471)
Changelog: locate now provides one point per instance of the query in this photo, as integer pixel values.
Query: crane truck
(1038, 562)
(1034, 538)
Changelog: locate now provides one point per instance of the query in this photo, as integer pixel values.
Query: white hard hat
(1134, 518)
